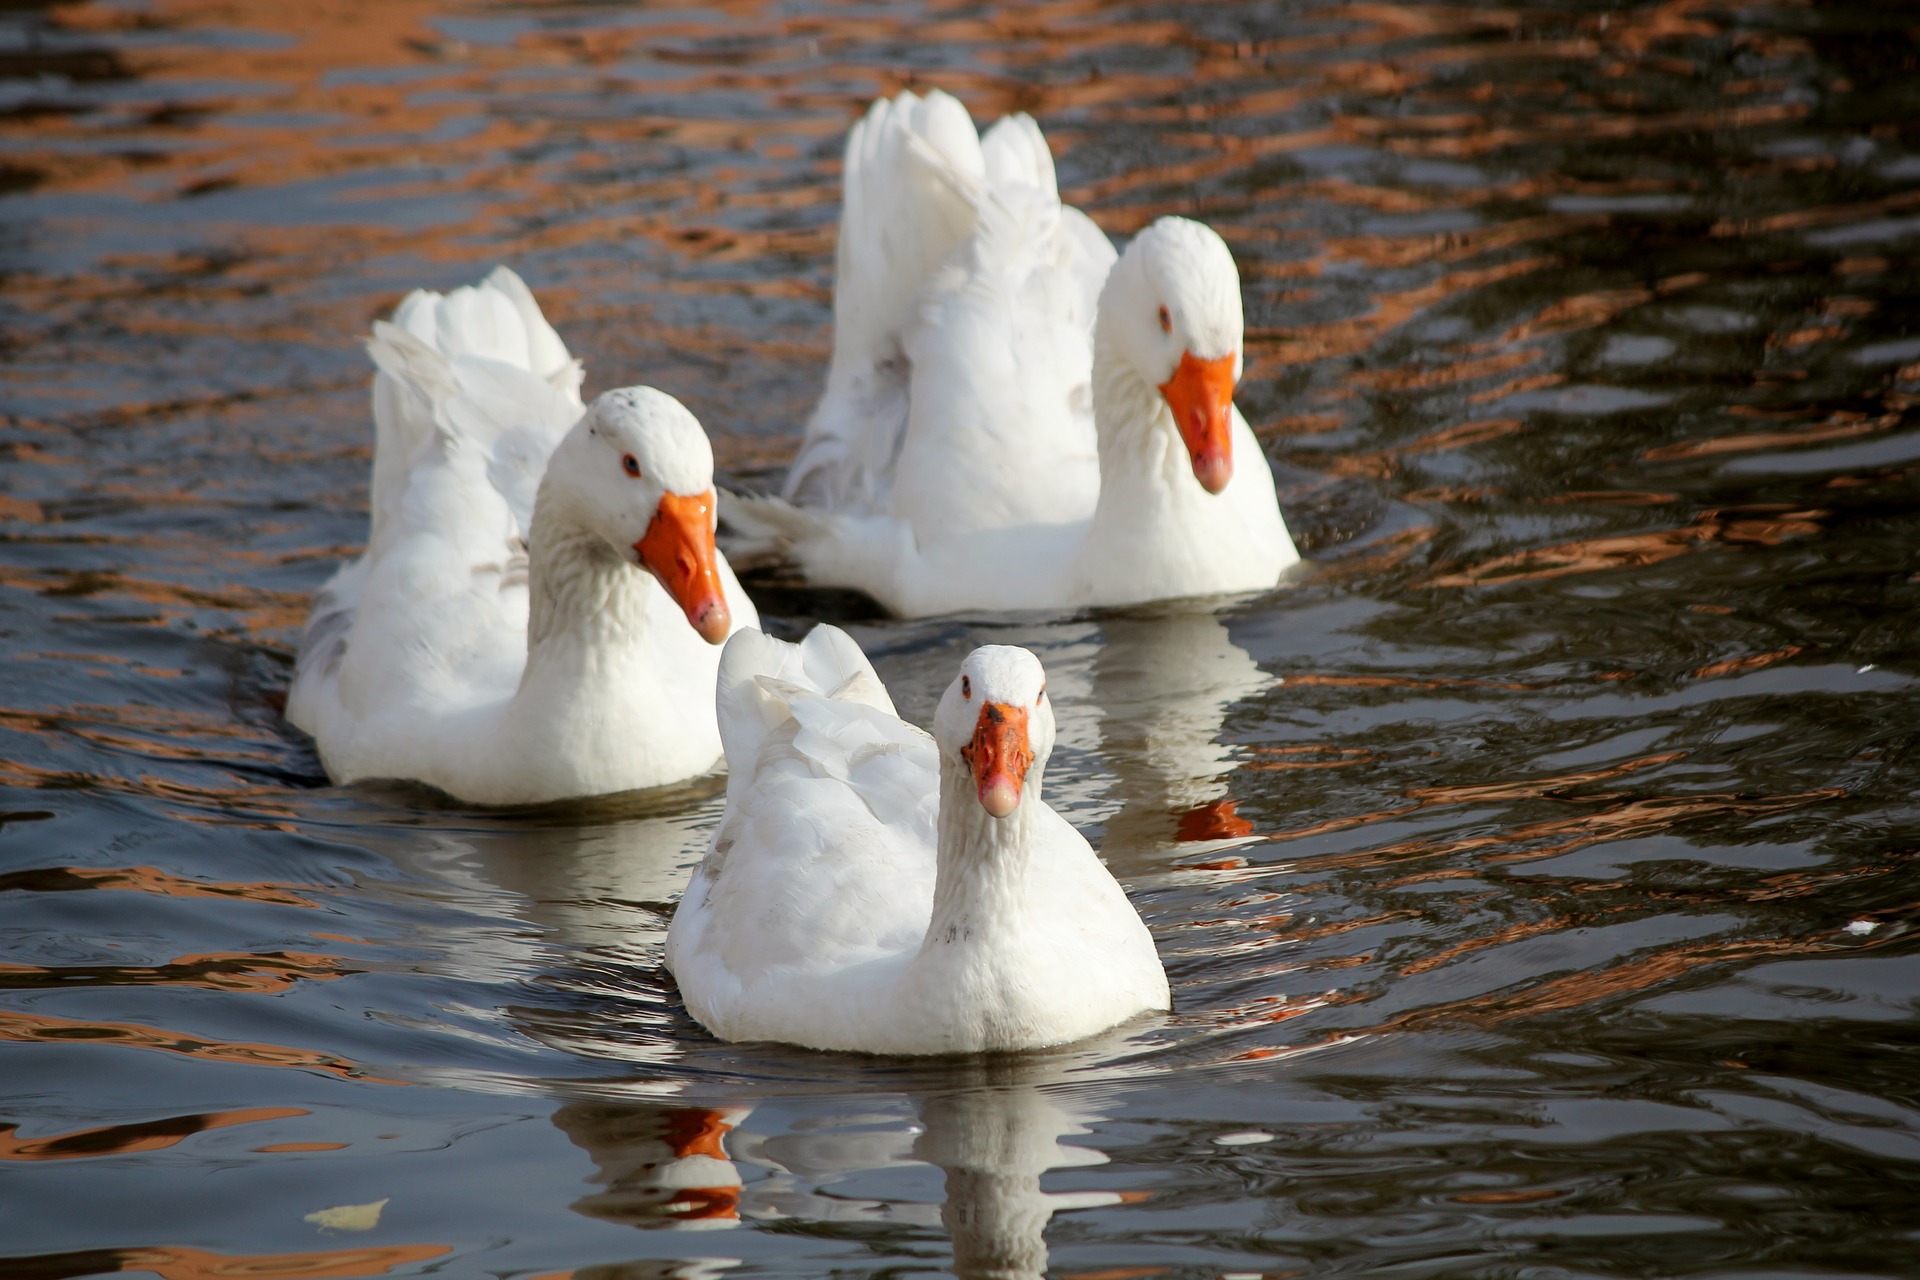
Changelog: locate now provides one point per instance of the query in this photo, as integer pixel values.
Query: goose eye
(1166, 321)
(966, 687)
(1043, 695)
(631, 465)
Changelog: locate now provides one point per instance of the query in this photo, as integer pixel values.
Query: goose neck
(1135, 428)
(981, 862)
(582, 593)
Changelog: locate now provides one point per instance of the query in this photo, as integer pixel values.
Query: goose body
(877, 889)
(1014, 417)
(539, 608)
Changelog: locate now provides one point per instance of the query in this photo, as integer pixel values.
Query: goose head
(996, 722)
(641, 474)
(1171, 308)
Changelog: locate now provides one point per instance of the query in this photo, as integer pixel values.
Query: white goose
(538, 612)
(1012, 418)
(874, 889)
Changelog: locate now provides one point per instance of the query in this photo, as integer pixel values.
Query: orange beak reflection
(679, 551)
(1200, 393)
(706, 1204)
(697, 1131)
(1000, 755)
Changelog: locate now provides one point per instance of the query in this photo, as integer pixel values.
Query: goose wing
(824, 859)
(473, 390)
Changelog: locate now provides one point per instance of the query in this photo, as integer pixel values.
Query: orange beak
(1000, 754)
(1200, 393)
(679, 551)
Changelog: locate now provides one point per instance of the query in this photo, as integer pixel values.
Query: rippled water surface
(1535, 869)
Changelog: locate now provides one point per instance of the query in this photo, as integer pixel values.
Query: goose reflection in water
(994, 1142)
(665, 1159)
(993, 1128)
(1164, 684)
(658, 1166)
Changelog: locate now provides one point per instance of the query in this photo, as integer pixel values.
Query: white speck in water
(1861, 928)
(1244, 1138)
(349, 1217)
(1863, 670)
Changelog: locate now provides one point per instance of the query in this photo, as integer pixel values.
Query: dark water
(1535, 870)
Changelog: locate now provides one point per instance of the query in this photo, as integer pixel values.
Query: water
(1534, 869)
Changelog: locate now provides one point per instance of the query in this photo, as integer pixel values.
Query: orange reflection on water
(1843, 425)
(1342, 756)
(1632, 550)
(280, 1148)
(198, 804)
(159, 725)
(148, 880)
(1638, 818)
(24, 510)
(1622, 820)
(1807, 219)
(1414, 379)
(1428, 797)
(1611, 497)
(1334, 928)
(1520, 1196)
(1309, 679)
(1616, 818)
(1575, 990)
(1380, 464)
(260, 612)
(30, 1028)
(128, 1139)
(172, 1262)
(1752, 662)
(1560, 129)
(1579, 989)
(1215, 820)
(1581, 311)
(1275, 349)
(1534, 997)
(220, 971)
(1389, 553)
(322, 36)
(1499, 937)
(1534, 788)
